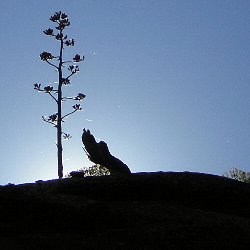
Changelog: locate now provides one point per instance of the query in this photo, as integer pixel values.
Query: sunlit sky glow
(167, 85)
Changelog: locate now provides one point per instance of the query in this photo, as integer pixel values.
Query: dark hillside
(139, 211)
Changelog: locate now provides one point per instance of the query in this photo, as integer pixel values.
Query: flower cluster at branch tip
(45, 56)
(70, 42)
(61, 19)
(53, 117)
(37, 87)
(48, 32)
(48, 89)
(55, 17)
(77, 107)
(65, 81)
(78, 58)
(73, 68)
(80, 97)
(66, 136)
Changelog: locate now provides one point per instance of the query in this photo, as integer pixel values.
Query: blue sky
(167, 85)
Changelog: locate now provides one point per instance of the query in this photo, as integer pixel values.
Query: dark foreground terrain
(139, 211)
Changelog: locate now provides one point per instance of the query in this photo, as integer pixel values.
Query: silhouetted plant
(95, 170)
(238, 175)
(61, 22)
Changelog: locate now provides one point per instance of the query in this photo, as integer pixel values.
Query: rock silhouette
(98, 153)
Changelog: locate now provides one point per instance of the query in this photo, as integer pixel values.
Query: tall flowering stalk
(61, 22)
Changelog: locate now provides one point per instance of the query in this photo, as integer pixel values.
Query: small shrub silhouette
(95, 170)
(238, 175)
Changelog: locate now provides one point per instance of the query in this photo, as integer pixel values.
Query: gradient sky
(167, 85)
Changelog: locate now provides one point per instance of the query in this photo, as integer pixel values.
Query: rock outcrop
(98, 153)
